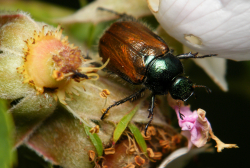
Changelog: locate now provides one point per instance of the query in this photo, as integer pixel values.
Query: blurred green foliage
(7, 155)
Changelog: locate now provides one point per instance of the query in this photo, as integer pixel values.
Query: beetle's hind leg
(111, 11)
(151, 114)
(123, 101)
(121, 15)
(195, 55)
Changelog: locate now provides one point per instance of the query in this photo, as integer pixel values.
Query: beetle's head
(182, 88)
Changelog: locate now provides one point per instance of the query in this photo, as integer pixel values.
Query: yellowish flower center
(51, 64)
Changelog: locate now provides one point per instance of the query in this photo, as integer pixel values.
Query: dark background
(228, 112)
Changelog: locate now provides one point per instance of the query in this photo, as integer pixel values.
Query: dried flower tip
(148, 137)
(105, 93)
(109, 151)
(152, 130)
(91, 155)
(150, 152)
(157, 156)
(139, 160)
(221, 145)
(130, 165)
(94, 129)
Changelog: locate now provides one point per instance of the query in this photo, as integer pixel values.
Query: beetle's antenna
(202, 86)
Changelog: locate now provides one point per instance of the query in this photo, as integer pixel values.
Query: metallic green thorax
(165, 74)
(161, 71)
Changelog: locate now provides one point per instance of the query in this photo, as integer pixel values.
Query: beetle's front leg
(151, 113)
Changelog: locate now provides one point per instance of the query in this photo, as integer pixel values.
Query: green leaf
(96, 141)
(122, 125)
(138, 137)
(7, 156)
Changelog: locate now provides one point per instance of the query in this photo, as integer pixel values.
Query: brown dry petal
(109, 151)
(139, 160)
(91, 155)
(95, 129)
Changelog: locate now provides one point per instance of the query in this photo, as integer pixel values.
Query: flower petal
(88, 111)
(216, 69)
(222, 26)
(194, 126)
(180, 157)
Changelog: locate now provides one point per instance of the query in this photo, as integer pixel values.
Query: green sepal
(138, 137)
(123, 123)
(96, 141)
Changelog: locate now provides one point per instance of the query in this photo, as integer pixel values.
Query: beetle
(141, 57)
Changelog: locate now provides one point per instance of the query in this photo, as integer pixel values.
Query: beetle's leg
(151, 113)
(123, 101)
(111, 11)
(180, 114)
(195, 55)
(121, 15)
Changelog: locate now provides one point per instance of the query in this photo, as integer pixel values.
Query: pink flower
(196, 128)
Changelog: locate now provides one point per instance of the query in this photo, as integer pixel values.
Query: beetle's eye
(182, 88)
